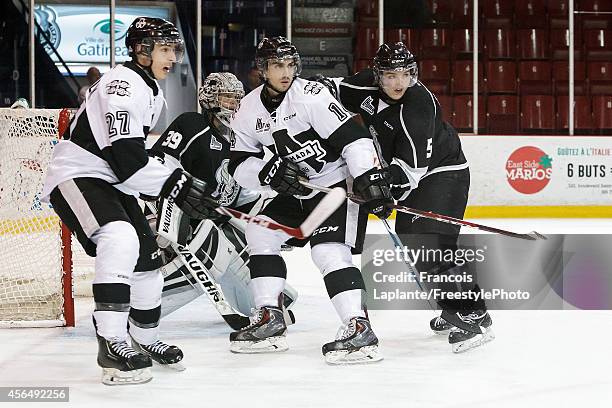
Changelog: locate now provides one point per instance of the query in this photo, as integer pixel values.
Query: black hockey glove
(283, 176)
(373, 187)
(190, 194)
(400, 185)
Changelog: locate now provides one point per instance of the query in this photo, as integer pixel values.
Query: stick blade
(330, 203)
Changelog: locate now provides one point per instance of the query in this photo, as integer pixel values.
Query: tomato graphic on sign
(528, 170)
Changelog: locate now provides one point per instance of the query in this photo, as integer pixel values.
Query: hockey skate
(440, 326)
(473, 329)
(266, 333)
(355, 343)
(121, 364)
(163, 354)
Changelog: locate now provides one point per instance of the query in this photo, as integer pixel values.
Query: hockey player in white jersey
(95, 176)
(200, 144)
(312, 137)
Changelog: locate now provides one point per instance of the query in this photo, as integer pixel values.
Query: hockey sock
(345, 288)
(268, 275)
(111, 309)
(144, 325)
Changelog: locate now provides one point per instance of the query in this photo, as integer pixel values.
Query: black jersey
(193, 144)
(411, 133)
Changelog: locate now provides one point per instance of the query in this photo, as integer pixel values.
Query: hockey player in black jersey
(428, 168)
(311, 137)
(95, 176)
(200, 144)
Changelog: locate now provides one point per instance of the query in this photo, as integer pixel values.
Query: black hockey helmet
(276, 48)
(395, 57)
(148, 31)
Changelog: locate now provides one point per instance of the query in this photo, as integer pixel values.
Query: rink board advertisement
(560, 272)
(81, 33)
(539, 170)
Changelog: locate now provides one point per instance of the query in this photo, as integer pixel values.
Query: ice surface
(539, 359)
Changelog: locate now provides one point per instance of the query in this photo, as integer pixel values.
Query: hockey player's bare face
(162, 58)
(395, 83)
(280, 74)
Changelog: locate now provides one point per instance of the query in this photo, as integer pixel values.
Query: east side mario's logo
(528, 169)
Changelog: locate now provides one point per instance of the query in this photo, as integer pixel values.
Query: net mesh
(30, 231)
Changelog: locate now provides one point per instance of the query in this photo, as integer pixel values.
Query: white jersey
(309, 128)
(106, 138)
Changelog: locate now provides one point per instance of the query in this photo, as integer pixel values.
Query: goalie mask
(145, 32)
(220, 95)
(395, 58)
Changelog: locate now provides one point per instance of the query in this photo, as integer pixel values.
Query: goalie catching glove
(373, 187)
(284, 177)
(190, 194)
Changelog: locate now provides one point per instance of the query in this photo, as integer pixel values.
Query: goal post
(36, 250)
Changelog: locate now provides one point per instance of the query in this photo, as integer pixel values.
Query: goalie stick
(532, 236)
(206, 282)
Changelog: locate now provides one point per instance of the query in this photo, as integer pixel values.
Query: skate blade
(442, 332)
(172, 367)
(269, 345)
(364, 355)
(113, 376)
(474, 342)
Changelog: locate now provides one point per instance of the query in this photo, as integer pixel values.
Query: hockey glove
(373, 187)
(400, 185)
(284, 177)
(190, 194)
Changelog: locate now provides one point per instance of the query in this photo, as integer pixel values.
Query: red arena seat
(583, 117)
(435, 43)
(533, 44)
(602, 111)
(537, 112)
(463, 77)
(501, 77)
(464, 112)
(561, 77)
(500, 44)
(536, 77)
(502, 114)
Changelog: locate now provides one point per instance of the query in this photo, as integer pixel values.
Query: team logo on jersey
(313, 88)
(119, 87)
(215, 144)
(227, 188)
(309, 149)
(368, 105)
(261, 126)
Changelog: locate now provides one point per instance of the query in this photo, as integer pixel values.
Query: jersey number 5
(429, 147)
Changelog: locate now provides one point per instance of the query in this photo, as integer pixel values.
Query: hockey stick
(206, 282)
(330, 203)
(532, 236)
(411, 268)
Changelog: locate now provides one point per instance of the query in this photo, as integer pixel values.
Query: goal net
(36, 254)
